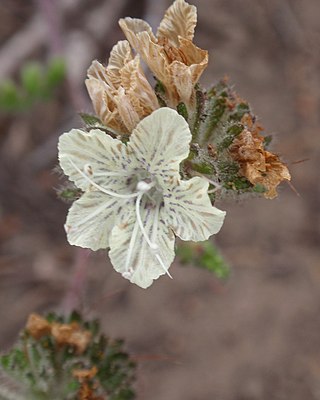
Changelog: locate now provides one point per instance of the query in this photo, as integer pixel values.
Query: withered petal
(186, 75)
(132, 27)
(127, 109)
(104, 105)
(120, 55)
(138, 88)
(71, 334)
(180, 19)
(256, 164)
(99, 72)
(37, 326)
(151, 52)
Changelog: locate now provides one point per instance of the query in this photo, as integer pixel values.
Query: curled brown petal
(179, 20)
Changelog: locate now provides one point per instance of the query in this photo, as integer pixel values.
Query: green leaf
(56, 72)
(10, 98)
(204, 255)
(32, 79)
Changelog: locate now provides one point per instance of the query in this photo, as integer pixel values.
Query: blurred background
(253, 337)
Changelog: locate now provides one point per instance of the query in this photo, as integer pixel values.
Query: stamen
(130, 249)
(87, 169)
(138, 201)
(107, 173)
(143, 186)
(106, 191)
(216, 185)
(152, 245)
(163, 266)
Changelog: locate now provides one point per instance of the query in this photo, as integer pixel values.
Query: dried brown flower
(37, 326)
(71, 334)
(256, 164)
(171, 54)
(120, 92)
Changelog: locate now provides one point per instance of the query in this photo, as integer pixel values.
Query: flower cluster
(66, 358)
(145, 173)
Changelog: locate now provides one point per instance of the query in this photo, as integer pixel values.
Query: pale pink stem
(74, 295)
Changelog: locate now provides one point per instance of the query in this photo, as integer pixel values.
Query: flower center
(142, 188)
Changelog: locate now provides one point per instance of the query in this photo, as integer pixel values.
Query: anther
(154, 246)
(143, 186)
(103, 190)
(87, 169)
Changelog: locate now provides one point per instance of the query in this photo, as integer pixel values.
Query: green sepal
(240, 110)
(202, 168)
(231, 133)
(69, 194)
(92, 121)
(160, 92)
(267, 141)
(199, 117)
(216, 109)
(258, 188)
(182, 110)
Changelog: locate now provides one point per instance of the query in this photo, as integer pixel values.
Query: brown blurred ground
(254, 338)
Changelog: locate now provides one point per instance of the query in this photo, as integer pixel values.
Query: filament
(152, 245)
(144, 233)
(131, 247)
(106, 191)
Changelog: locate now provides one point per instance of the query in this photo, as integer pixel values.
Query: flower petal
(104, 105)
(188, 210)
(131, 27)
(135, 98)
(99, 72)
(91, 219)
(179, 20)
(138, 88)
(141, 38)
(120, 56)
(160, 142)
(186, 74)
(126, 109)
(131, 255)
(95, 156)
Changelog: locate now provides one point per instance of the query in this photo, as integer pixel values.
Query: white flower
(134, 200)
